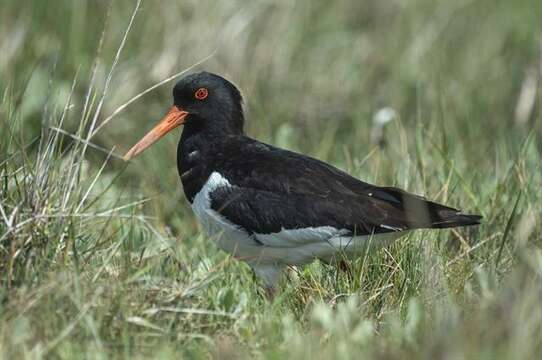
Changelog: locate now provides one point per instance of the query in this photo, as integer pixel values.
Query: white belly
(289, 247)
(228, 236)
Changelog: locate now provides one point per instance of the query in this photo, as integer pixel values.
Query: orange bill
(173, 119)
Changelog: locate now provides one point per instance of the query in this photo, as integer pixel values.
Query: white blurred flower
(380, 119)
(384, 116)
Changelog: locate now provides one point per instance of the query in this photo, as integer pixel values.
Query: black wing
(274, 189)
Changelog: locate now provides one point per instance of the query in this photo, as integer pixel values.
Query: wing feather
(274, 189)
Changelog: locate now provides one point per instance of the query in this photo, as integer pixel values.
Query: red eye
(201, 93)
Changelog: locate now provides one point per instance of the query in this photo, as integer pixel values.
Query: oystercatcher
(272, 207)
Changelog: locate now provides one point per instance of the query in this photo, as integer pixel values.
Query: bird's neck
(197, 152)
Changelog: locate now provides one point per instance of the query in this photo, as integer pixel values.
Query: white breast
(228, 236)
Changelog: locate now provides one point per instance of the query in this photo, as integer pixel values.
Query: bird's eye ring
(201, 93)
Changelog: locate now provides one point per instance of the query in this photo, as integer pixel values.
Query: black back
(272, 188)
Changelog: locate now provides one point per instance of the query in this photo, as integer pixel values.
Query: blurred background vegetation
(120, 268)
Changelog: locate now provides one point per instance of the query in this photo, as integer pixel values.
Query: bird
(271, 207)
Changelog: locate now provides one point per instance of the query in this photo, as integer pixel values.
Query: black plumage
(274, 188)
(273, 207)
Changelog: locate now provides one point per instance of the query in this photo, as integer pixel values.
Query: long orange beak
(173, 119)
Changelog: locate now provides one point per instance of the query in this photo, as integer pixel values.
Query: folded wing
(297, 192)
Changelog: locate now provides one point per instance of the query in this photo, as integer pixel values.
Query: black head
(204, 102)
(211, 101)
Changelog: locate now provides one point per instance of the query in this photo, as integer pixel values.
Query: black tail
(416, 212)
(449, 219)
(402, 211)
(441, 216)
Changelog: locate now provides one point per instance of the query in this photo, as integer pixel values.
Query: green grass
(100, 259)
